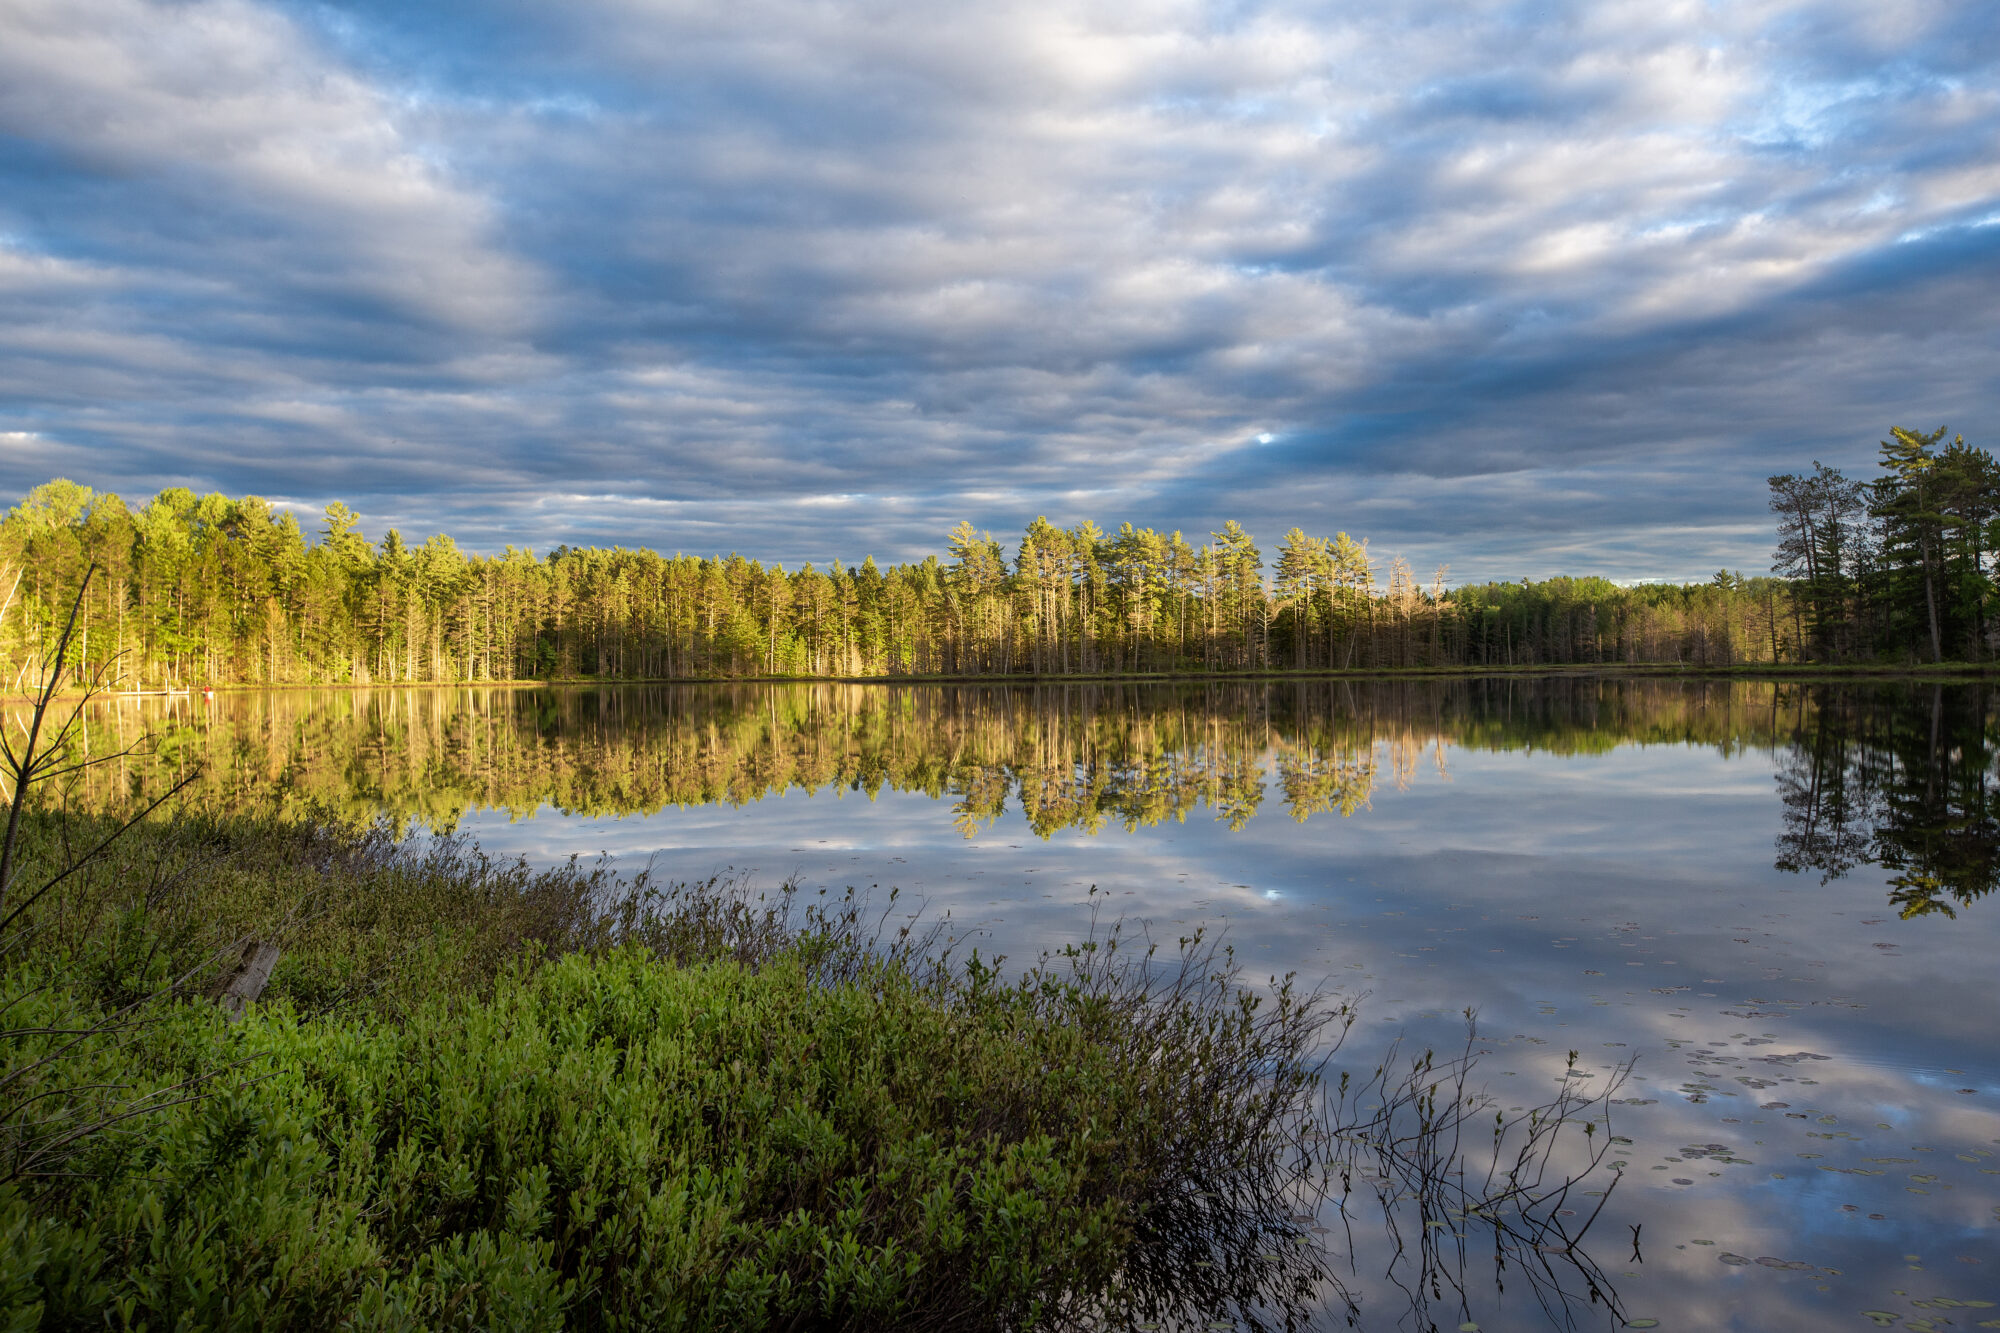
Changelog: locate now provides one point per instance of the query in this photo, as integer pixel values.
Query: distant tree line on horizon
(199, 590)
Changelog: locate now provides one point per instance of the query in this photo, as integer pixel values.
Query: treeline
(1895, 566)
(197, 590)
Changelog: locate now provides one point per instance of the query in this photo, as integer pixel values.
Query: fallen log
(240, 985)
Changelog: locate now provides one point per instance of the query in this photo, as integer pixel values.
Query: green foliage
(479, 1096)
(218, 590)
(1899, 567)
(610, 1143)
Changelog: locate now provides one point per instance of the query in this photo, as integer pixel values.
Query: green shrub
(618, 1142)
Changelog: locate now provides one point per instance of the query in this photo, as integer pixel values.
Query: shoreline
(1782, 672)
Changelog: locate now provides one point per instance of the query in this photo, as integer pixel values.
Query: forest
(190, 591)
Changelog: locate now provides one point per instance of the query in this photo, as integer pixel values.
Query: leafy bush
(608, 1142)
(491, 1097)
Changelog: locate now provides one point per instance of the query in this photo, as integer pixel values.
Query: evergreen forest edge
(210, 590)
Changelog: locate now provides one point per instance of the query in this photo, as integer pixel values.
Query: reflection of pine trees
(1899, 778)
(1828, 792)
(1890, 776)
(1940, 820)
(1315, 784)
(1082, 756)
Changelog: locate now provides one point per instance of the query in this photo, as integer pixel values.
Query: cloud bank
(1521, 288)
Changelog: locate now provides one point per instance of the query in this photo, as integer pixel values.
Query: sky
(1517, 288)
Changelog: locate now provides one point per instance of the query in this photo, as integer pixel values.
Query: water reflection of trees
(1902, 778)
(1071, 756)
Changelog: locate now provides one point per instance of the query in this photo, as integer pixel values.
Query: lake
(1770, 898)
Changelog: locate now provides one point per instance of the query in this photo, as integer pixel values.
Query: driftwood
(241, 984)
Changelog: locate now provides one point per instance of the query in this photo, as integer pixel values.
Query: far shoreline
(1807, 673)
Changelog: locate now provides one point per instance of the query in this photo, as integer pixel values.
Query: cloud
(225, 110)
(1549, 288)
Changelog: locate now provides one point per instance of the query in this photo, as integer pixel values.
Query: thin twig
(21, 773)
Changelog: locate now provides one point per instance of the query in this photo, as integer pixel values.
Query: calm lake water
(1770, 898)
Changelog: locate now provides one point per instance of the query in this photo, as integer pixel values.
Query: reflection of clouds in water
(1645, 867)
(1505, 891)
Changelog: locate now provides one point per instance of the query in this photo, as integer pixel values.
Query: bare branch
(22, 770)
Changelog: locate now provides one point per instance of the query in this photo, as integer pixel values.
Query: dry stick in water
(1411, 1149)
